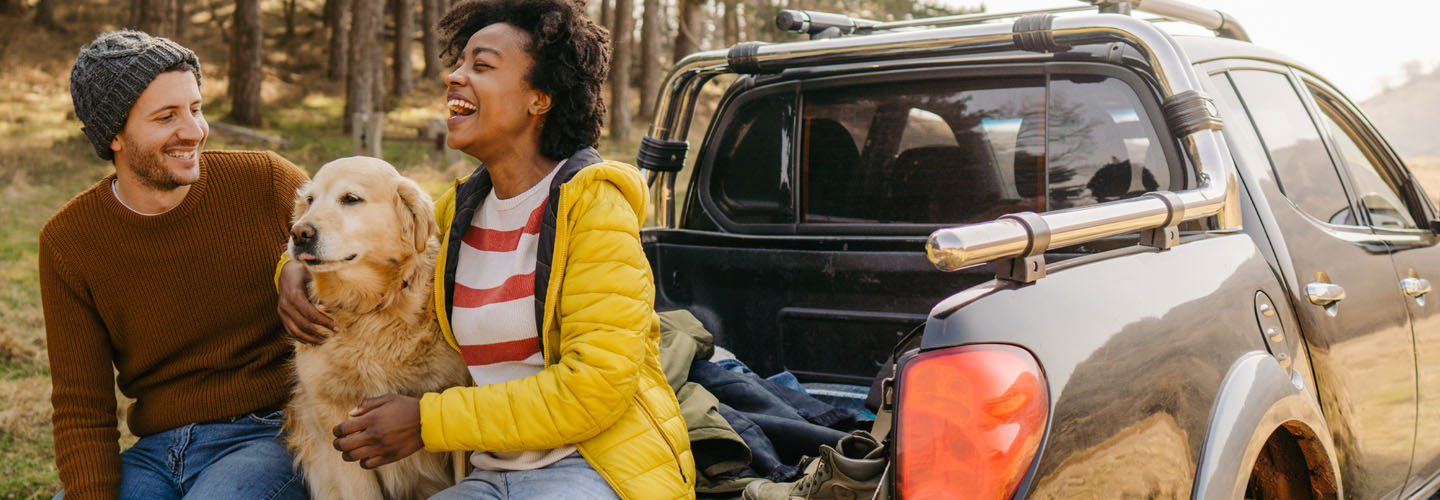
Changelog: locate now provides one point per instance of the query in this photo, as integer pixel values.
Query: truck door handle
(1415, 287)
(1324, 294)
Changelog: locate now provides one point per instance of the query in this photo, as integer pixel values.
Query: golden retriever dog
(367, 236)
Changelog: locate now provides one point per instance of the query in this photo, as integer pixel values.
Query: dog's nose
(303, 235)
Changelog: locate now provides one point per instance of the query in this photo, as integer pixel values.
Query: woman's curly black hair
(571, 59)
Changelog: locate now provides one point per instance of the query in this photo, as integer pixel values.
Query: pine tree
(429, 17)
(692, 27)
(404, 16)
(365, 68)
(651, 71)
(620, 37)
(337, 20)
(245, 64)
(45, 15)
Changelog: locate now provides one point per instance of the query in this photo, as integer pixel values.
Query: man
(160, 276)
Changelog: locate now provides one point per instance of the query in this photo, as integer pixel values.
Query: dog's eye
(309, 200)
(350, 199)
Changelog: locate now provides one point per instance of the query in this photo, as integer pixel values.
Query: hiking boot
(849, 471)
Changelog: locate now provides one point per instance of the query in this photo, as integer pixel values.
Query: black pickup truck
(1179, 266)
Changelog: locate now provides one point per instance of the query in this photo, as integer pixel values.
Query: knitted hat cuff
(110, 74)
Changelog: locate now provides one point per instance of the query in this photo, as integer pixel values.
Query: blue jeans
(569, 479)
(245, 459)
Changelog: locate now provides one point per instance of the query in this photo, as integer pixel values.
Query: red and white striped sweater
(494, 304)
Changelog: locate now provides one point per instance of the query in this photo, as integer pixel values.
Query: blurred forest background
(289, 75)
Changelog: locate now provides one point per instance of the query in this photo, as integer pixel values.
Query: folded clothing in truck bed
(742, 426)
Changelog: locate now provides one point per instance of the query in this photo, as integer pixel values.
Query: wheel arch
(1257, 402)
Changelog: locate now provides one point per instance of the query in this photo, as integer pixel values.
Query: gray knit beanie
(109, 76)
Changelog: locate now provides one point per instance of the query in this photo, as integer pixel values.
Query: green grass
(20, 477)
(43, 163)
(34, 182)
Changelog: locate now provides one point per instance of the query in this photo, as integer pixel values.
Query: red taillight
(969, 422)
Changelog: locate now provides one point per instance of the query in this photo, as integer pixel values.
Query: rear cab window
(916, 153)
(908, 152)
(751, 175)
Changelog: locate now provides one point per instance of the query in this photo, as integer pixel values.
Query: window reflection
(961, 151)
(1378, 193)
(937, 152)
(750, 182)
(1303, 169)
(922, 152)
(1099, 144)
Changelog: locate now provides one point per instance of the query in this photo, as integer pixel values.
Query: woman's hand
(303, 321)
(381, 430)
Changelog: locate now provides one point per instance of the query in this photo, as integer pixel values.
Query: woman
(541, 284)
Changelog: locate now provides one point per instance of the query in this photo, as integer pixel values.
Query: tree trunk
(404, 37)
(607, 16)
(45, 15)
(289, 20)
(156, 17)
(181, 19)
(365, 57)
(732, 22)
(429, 17)
(163, 16)
(620, 38)
(337, 18)
(650, 65)
(245, 64)
(692, 19)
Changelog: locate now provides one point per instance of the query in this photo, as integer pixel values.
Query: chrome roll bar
(1215, 194)
(673, 114)
(1219, 22)
(1168, 10)
(963, 19)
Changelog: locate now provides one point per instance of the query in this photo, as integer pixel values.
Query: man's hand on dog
(303, 320)
(381, 430)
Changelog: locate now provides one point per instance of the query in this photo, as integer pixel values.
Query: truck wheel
(1281, 472)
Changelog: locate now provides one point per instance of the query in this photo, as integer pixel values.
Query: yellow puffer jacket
(602, 388)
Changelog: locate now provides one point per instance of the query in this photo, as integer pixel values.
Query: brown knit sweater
(176, 308)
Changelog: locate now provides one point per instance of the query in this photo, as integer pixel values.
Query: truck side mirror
(1435, 226)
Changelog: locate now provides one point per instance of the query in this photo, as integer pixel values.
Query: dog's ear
(300, 205)
(416, 212)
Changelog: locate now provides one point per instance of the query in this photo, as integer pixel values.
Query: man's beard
(149, 165)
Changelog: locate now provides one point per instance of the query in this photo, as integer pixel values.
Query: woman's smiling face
(489, 95)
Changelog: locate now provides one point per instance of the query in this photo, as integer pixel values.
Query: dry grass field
(41, 166)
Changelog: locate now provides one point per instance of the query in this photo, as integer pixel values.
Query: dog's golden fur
(372, 262)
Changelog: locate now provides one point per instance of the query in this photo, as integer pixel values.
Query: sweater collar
(130, 217)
